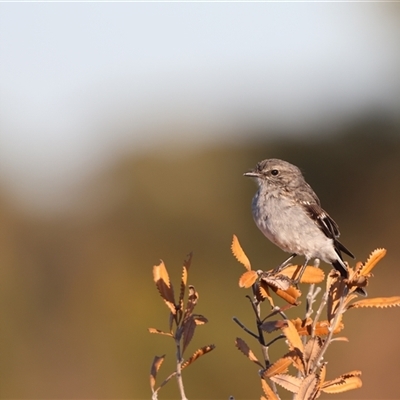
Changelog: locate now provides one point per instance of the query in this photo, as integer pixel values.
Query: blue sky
(71, 73)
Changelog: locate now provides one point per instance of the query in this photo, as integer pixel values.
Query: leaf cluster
(308, 338)
(182, 324)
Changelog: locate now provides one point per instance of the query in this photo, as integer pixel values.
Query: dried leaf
(271, 326)
(155, 366)
(290, 295)
(269, 393)
(191, 303)
(322, 328)
(292, 336)
(322, 373)
(358, 281)
(278, 367)
(336, 292)
(345, 382)
(331, 279)
(288, 382)
(200, 319)
(154, 330)
(303, 326)
(340, 339)
(198, 353)
(264, 293)
(373, 259)
(185, 270)
(245, 349)
(349, 384)
(164, 286)
(188, 328)
(248, 279)
(276, 281)
(297, 360)
(311, 351)
(311, 274)
(308, 388)
(379, 302)
(239, 253)
(349, 298)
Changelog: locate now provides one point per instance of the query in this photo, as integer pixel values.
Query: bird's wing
(327, 225)
(323, 220)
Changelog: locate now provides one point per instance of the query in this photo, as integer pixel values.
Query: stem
(319, 312)
(264, 347)
(244, 328)
(331, 329)
(179, 369)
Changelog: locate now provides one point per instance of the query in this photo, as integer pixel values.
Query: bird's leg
(302, 270)
(283, 265)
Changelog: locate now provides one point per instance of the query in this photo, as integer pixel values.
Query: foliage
(308, 338)
(302, 369)
(182, 324)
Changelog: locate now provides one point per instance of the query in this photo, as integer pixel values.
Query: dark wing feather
(327, 225)
(324, 221)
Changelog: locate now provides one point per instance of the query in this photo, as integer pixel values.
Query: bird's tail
(340, 266)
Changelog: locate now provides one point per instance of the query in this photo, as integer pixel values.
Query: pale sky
(72, 73)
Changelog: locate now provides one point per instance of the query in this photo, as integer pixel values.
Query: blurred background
(124, 133)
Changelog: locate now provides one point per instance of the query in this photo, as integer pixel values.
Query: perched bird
(289, 214)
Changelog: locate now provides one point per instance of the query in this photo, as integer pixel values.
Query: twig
(264, 347)
(319, 312)
(331, 329)
(244, 328)
(274, 340)
(179, 369)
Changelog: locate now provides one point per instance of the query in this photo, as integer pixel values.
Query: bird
(288, 212)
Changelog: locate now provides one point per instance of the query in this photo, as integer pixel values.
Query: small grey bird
(289, 214)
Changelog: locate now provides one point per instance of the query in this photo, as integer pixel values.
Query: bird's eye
(274, 172)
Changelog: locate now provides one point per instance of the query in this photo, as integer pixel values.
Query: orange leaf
(154, 330)
(288, 382)
(379, 302)
(373, 259)
(311, 274)
(155, 366)
(248, 279)
(322, 373)
(239, 253)
(268, 391)
(345, 382)
(292, 336)
(321, 328)
(308, 388)
(290, 295)
(278, 367)
(263, 293)
(198, 353)
(185, 270)
(311, 351)
(245, 349)
(336, 292)
(164, 286)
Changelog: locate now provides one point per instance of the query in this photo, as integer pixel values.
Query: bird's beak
(252, 174)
